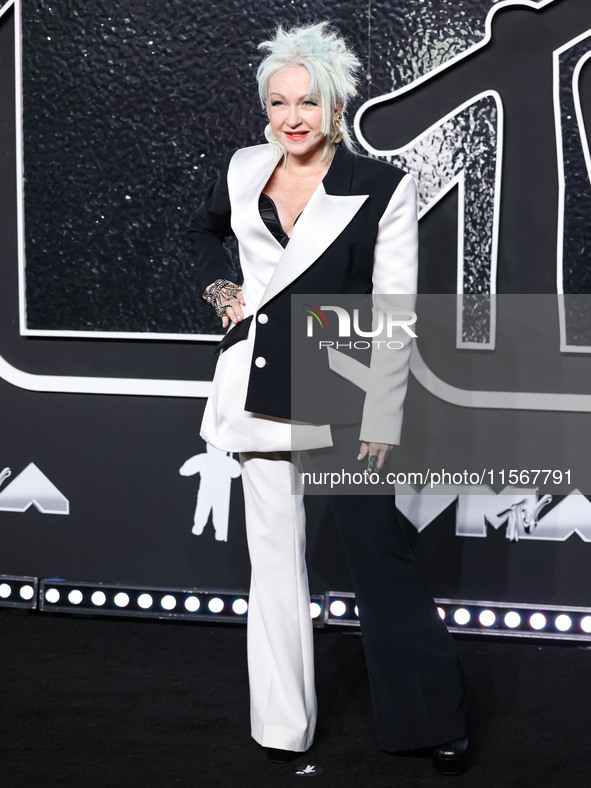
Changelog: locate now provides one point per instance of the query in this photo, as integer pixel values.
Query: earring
(269, 136)
(336, 131)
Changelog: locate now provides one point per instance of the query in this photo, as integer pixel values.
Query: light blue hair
(333, 71)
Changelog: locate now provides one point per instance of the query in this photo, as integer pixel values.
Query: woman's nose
(293, 117)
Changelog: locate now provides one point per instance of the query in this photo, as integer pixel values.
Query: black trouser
(414, 671)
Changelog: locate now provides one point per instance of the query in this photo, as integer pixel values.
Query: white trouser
(280, 646)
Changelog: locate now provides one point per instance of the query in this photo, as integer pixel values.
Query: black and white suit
(357, 234)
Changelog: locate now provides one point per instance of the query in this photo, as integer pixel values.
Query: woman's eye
(276, 103)
(310, 103)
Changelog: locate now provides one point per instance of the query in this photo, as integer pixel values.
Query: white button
(262, 318)
(260, 362)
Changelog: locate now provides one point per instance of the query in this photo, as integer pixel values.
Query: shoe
(281, 756)
(450, 757)
(302, 769)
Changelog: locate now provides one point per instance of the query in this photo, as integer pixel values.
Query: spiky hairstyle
(333, 71)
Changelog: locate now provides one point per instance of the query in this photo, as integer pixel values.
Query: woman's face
(295, 117)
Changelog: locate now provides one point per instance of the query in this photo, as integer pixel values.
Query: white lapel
(249, 171)
(267, 267)
(323, 219)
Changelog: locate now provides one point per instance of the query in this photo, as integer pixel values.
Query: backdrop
(113, 119)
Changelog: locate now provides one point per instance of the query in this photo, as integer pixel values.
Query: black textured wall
(142, 100)
(128, 111)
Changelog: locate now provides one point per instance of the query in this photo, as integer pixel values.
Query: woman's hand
(379, 450)
(227, 300)
(234, 311)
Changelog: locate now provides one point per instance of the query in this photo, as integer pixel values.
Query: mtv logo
(519, 509)
(504, 124)
(32, 488)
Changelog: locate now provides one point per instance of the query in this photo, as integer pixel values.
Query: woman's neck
(306, 166)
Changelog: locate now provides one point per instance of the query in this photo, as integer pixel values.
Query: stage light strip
(57, 595)
(66, 596)
(499, 619)
(18, 591)
(520, 620)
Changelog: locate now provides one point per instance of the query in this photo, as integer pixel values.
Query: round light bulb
(338, 608)
(512, 619)
(75, 596)
(487, 618)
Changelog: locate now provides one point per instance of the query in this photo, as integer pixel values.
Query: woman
(310, 216)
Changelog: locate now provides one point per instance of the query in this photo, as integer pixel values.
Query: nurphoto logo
(384, 324)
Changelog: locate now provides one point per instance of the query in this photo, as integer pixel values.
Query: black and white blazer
(358, 234)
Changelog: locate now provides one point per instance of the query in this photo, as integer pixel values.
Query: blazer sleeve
(210, 225)
(395, 275)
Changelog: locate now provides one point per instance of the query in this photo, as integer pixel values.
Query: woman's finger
(234, 311)
(231, 315)
(381, 451)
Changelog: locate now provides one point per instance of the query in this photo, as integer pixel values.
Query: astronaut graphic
(217, 469)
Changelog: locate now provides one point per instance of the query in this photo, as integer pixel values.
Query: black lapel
(339, 178)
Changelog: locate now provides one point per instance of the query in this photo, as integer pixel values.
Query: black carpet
(124, 703)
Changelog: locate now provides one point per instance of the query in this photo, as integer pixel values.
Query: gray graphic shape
(32, 488)
(465, 150)
(217, 469)
(574, 175)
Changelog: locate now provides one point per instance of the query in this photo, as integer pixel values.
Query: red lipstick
(296, 135)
